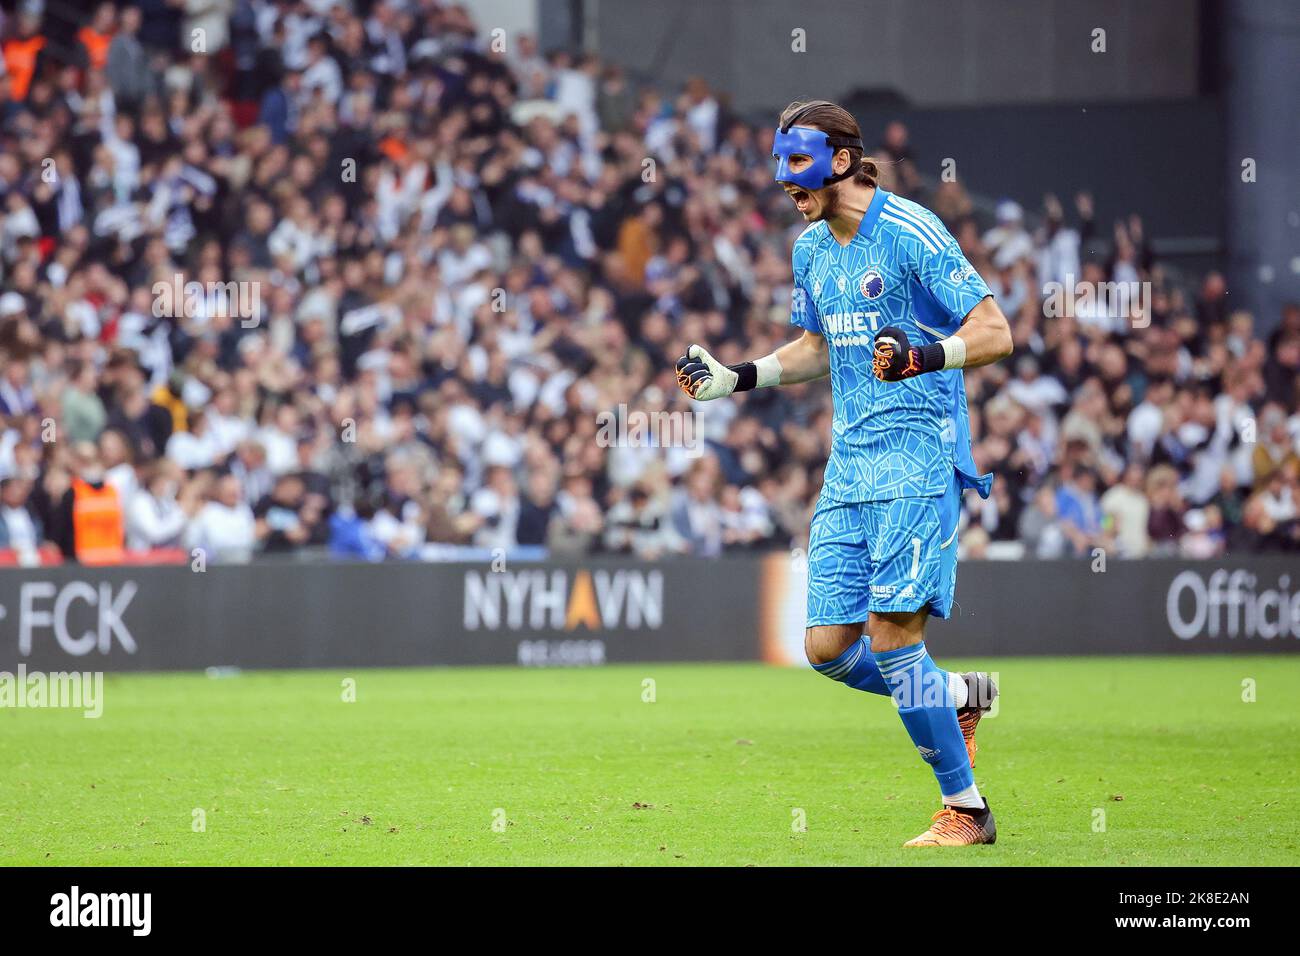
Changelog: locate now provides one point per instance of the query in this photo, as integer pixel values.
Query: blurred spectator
(194, 448)
(1165, 524)
(745, 519)
(97, 36)
(1275, 449)
(91, 525)
(536, 510)
(639, 525)
(127, 66)
(998, 515)
(1033, 390)
(224, 528)
(1204, 537)
(1278, 496)
(155, 518)
(118, 462)
(1128, 511)
(288, 519)
(1040, 529)
(24, 53)
(83, 412)
(1078, 510)
(1058, 244)
(398, 524)
(697, 516)
(16, 395)
(20, 529)
(497, 506)
(1008, 242)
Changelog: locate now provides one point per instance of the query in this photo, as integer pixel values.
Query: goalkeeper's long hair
(837, 121)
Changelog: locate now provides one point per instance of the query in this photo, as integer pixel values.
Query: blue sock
(857, 668)
(920, 689)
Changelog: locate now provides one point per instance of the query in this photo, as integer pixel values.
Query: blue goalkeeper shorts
(882, 556)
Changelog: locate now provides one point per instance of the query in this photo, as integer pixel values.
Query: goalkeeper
(892, 312)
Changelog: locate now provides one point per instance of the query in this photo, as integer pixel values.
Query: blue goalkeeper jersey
(903, 268)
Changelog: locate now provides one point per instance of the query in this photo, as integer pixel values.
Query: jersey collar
(868, 224)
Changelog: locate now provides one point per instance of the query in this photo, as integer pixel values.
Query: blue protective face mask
(819, 146)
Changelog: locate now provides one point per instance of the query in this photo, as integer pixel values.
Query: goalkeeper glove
(704, 378)
(896, 358)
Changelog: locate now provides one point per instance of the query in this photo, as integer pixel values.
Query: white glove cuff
(954, 352)
(769, 371)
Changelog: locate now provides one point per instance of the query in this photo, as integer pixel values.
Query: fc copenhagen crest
(872, 285)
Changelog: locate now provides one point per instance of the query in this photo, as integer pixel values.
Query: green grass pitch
(1088, 762)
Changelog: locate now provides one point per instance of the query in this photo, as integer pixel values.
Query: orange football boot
(954, 826)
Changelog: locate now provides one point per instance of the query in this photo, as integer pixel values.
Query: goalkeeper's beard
(830, 202)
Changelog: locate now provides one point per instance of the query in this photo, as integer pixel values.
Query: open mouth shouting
(802, 198)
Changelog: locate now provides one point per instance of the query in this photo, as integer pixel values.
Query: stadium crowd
(315, 277)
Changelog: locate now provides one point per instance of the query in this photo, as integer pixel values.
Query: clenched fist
(703, 377)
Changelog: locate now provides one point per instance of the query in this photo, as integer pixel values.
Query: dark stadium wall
(931, 52)
(1025, 152)
(1262, 39)
(590, 613)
